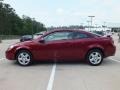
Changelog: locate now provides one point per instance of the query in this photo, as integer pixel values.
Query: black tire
(25, 61)
(94, 60)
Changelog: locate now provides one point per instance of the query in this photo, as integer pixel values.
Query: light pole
(91, 17)
(88, 25)
(96, 27)
(104, 25)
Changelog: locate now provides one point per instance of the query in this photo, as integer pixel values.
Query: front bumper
(10, 55)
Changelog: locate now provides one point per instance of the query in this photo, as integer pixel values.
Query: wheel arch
(20, 49)
(96, 48)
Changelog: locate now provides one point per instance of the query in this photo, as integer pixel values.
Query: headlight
(10, 47)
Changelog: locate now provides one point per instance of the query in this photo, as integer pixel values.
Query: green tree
(31, 26)
(12, 24)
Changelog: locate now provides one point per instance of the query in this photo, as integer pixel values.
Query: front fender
(23, 48)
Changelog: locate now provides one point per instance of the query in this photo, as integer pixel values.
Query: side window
(78, 35)
(58, 36)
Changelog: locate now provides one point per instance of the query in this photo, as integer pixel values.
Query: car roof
(61, 30)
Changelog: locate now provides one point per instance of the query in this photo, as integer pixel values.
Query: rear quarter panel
(93, 43)
(105, 44)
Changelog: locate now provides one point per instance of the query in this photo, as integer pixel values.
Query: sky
(68, 12)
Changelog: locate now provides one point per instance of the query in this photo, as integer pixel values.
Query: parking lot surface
(60, 76)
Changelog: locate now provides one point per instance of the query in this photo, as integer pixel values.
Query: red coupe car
(63, 45)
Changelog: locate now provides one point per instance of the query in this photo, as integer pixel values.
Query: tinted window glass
(58, 36)
(77, 35)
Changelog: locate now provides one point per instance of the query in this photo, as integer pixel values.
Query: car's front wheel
(24, 58)
(95, 57)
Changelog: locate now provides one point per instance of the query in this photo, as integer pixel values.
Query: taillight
(111, 39)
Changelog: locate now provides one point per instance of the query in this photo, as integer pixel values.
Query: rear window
(78, 35)
(96, 35)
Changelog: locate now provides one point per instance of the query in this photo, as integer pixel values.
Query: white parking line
(51, 80)
(2, 58)
(115, 60)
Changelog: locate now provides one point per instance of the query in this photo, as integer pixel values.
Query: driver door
(56, 46)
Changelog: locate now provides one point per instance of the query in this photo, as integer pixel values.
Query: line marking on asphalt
(115, 60)
(2, 58)
(51, 80)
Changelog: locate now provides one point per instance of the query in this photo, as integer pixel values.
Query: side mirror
(42, 41)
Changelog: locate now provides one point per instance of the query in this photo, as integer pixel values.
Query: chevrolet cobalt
(63, 45)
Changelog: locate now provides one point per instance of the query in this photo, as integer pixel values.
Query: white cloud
(60, 11)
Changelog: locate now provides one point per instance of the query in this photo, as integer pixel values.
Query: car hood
(26, 43)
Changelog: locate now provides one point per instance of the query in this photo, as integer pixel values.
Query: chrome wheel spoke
(99, 58)
(22, 54)
(96, 53)
(92, 55)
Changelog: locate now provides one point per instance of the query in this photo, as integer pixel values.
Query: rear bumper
(110, 51)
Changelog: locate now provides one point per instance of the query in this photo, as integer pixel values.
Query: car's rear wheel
(95, 57)
(24, 58)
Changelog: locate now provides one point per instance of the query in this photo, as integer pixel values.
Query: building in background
(115, 27)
